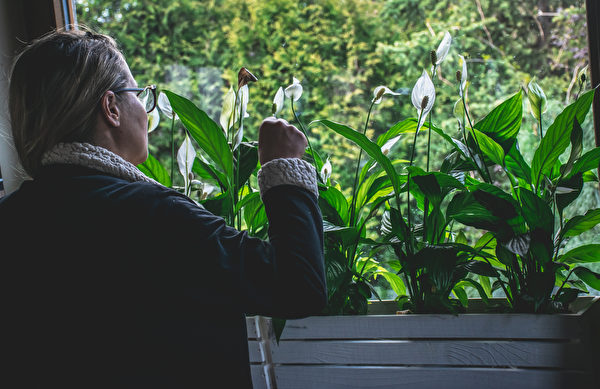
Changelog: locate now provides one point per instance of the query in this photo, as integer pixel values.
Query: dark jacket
(108, 283)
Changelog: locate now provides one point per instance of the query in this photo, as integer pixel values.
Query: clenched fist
(279, 139)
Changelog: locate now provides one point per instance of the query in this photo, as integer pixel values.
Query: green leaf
(502, 124)
(490, 148)
(395, 282)
(576, 148)
(581, 223)
(588, 161)
(583, 254)
(465, 209)
(205, 131)
(206, 171)
(481, 268)
(338, 202)
(515, 164)
(154, 169)
(589, 277)
(575, 184)
(536, 211)
(460, 293)
(369, 147)
(248, 153)
(558, 137)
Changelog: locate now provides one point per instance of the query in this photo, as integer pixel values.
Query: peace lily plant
(419, 213)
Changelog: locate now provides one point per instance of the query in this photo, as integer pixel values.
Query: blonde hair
(56, 86)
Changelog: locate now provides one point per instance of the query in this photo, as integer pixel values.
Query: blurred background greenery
(341, 50)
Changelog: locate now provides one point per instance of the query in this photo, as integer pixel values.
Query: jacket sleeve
(283, 276)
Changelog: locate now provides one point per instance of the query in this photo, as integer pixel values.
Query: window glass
(341, 50)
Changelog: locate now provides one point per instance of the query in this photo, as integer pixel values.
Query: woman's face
(133, 131)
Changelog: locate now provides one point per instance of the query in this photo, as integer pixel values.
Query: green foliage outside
(341, 50)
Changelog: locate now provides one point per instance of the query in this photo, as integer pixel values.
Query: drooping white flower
(165, 106)
(185, 159)
(443, 48)
(240, 111)
(385, 149)
(326, 170)
(153, 120)
(537, 99)
(380, 91)
(463, 77)
(227, 119)
(278, 102)
(423, 97)
(294, 91)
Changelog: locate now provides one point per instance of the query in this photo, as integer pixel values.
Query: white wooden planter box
(430, 351)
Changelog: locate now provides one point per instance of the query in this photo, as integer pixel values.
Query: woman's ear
(109, 110)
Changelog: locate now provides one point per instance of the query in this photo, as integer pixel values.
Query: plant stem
(563, 284)
(354, 188)
(541, 130)
(173, 149)
(412, 157)
(306, 135)
(489, 178)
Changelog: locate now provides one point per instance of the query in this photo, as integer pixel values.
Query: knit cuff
(287, 171)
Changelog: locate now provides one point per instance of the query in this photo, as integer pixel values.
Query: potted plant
(434, 265)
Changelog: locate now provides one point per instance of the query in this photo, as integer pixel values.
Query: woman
(114, 280)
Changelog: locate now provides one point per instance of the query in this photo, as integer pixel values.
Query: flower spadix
(380, 91)
(294, 91)
(423, 97)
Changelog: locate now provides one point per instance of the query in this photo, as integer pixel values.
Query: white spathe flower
(423, 90)
(153, 120)
(463, 76)
(185, 159)
(385, 149)
(165, 106)
(537, 99)
(240, 111)
(294, 91)
(380, 91)
(564, 190)
(443, 48)
(278, 102)
(326, 170)
(226, 119)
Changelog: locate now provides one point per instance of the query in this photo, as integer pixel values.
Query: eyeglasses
(146, 95)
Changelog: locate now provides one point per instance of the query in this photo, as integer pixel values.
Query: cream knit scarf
(94, 157)
(281, 171)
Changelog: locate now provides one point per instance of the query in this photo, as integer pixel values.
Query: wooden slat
(467, 353)
(474, 326)
(255, 354)
(258, 377)
(344, 377)
(251, 329)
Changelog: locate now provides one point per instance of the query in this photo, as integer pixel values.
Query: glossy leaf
(588, 161)
(583, 254)
(581, 223)
(502, 124)
(369, 147)
(558, 137)
(589, 277)
(153, 169)
(205, 131)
